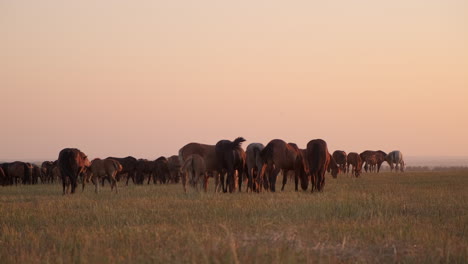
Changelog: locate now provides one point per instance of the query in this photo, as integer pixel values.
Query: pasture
(378, 218)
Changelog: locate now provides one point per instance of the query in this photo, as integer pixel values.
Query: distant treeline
(430, 168)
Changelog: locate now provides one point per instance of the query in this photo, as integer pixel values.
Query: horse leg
(82, 189)
(184, 181)
(250, 179)
(114, 181)
(296, 180)
(96, 184)
(285, 179)
(260, 177)
(273, 177)
(205, 181)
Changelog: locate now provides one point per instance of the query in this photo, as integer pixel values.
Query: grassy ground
(410, 218)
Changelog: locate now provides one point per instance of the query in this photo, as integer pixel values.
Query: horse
(319, 159)
(194, 166)
(231, 158)
(254, 165)
(281, 156)
(395, 157)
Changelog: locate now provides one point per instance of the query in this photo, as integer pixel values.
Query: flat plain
(414, 217)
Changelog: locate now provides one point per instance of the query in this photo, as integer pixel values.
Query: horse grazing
(161, 170)
(318, 159)
(379, 158)
(18, 172)
(144, 167)
(231, 158)
(281, 156)
(254, 165)
(340, 158)
(46, 169)
(102, 169)
(355, 161)
(128, 167)
(3, 178)
(395, 157)
(37, 174)
(374, 157)
(371, 163)
(71, 163)
(194, 166)
(174, 168)
(208, 153)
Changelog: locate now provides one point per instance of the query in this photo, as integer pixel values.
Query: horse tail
(237, 142)
(181, 156)
(266, 154)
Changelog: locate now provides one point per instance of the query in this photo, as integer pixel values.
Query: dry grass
(414, 217)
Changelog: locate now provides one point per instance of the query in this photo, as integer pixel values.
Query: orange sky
(144, 78)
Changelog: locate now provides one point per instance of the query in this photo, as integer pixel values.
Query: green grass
(417, 217)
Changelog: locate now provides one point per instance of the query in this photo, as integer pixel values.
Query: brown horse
(356, 162)
(371, 163)
(281, 156)
(101, 169)
(174, 168)
(254, 165)
(161, 170)
(3, 177)
(231, 158)
(319, 160)
(144, 168)
(375, 157)
(208, 153)
(128, 167)
(380, 158)
(37, 174)
(46, 168)
(340, 158)
(194, 166)
(18, 172)
(72, 163)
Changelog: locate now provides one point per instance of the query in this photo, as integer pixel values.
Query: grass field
(417, 217)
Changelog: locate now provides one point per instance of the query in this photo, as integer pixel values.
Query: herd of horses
(226, 162)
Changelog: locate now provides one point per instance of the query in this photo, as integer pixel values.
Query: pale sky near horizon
(144, 78)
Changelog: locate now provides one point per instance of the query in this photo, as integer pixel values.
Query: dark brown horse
(128, 167)
(356, 163)
(319, 160)
(46, 168)
(161, 171)
(37, 174)
(340, 158)
(3, 178)
(231, 158)
(144, 168)
(72, 163)
(18, 172)
(281, 156)
(174, 169)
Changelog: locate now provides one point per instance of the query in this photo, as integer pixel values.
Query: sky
(144, 78)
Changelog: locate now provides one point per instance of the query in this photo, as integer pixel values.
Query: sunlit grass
(411, 217)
